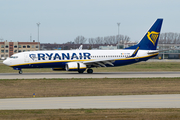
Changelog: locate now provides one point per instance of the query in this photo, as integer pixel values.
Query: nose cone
(6, 62)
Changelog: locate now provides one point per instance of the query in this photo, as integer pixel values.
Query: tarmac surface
(86, 75)
(93, 102)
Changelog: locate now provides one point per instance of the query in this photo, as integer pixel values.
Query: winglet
(80, 48)
(135, 52)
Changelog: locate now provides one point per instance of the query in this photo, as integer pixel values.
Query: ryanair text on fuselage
(60, 56)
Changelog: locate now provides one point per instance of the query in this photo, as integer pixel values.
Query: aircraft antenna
(38, 33)
(118, 27)
(30, 37)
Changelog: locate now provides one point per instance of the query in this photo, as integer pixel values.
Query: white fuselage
(55, 56)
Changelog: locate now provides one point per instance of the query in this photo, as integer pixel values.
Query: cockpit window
(14, 57)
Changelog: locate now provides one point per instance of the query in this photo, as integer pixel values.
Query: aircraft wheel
(90, 71)
(20, 72)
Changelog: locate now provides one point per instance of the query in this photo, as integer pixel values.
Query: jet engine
(75, 66)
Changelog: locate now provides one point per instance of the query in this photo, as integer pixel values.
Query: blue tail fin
(150, 40)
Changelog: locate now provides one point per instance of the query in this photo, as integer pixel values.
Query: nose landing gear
(20, 72)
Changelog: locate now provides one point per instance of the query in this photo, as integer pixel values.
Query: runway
(93, 102)
(85, 75)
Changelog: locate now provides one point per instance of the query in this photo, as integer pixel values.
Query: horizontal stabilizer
(159, 51)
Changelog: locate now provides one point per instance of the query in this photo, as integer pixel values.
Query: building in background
(71, 46)
(125, 45)
(9, 48)
(173, 51)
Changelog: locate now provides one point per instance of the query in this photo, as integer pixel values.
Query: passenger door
(26, 57)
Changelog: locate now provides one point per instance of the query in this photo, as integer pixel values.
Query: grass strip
(25, 88)
(92, 114)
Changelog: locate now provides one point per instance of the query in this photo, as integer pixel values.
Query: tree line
(164, 38)
(169, 38)
(102, 40)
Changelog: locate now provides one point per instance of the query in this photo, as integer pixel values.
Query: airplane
(80, 60)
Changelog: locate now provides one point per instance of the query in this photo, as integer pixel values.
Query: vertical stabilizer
(150, 40)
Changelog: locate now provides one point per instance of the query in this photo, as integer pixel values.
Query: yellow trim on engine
(79, 68)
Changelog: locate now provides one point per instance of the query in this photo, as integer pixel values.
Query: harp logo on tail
(152, 36)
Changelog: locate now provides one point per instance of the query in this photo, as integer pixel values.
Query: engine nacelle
(58, 69)
(74, 66)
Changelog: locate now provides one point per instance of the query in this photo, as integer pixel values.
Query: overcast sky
(64, 20)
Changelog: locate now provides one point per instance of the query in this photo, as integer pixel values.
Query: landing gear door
(26, 57)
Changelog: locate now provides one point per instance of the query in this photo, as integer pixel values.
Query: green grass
(92, 114)
(142, 66)
(24, 88)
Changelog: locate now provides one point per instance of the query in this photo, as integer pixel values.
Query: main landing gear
(20, 72)
(90, 71)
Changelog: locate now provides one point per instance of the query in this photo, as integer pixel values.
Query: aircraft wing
(103, 62)
(100, 63)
